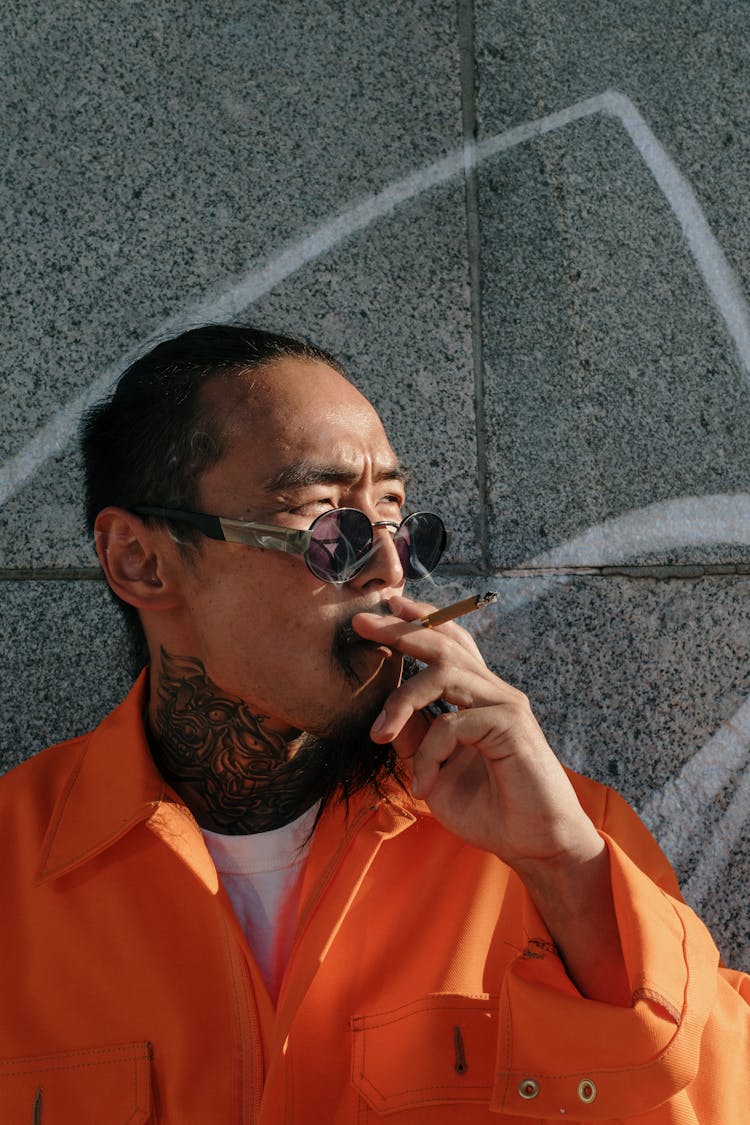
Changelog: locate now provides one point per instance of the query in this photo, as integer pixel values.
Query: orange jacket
(422, 985)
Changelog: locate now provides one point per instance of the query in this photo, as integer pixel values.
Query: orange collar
(113, 786)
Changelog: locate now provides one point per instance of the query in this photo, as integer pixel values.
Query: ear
(136, 559)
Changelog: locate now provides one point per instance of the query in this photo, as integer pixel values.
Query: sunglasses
(337, 544)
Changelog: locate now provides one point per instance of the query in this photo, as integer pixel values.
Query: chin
(359, 701)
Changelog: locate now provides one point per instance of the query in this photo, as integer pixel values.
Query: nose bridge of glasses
(387, 542)
(392, 525)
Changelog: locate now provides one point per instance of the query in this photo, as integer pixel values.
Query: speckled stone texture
(169, 157)
(643, 684)
(65, 658)
(545, 350)
(612, 382)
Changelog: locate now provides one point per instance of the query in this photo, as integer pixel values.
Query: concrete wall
(524, 226)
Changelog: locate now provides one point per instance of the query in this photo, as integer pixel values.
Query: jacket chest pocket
(89, 1087)
(439, 1049)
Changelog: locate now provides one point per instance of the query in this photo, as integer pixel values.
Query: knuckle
(446, 718)
(442, 726)
(519, 700)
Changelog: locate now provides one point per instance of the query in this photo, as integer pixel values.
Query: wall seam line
(465, 13)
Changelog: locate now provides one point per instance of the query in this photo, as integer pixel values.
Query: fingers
(450, 673)
(409, 610)
(454, 669)
(433, 752)
(461, 686)
(410, 738)
(411, 638)
(454, 744)
(448, 739)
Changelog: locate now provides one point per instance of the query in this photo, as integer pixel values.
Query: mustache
(345, 639)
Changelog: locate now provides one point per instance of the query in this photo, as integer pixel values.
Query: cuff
(562, 1054)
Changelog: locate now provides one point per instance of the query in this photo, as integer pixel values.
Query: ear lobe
(133, 558)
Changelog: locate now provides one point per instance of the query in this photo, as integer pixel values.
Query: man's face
(299, 440)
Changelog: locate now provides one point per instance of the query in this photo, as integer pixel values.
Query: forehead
(294, 422)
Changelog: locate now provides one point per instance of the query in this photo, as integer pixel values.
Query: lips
(359, 659)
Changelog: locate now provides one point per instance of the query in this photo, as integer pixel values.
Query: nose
(383, 567)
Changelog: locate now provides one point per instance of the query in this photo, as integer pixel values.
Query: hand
(488, 775)
(486, 771)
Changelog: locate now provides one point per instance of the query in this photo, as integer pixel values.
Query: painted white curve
(227, 303)
(687, 521)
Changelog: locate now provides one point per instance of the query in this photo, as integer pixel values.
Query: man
(270, 887)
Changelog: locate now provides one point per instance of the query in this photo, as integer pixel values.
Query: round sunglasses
(337, 544)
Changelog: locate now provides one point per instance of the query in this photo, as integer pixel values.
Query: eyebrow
(302, 474)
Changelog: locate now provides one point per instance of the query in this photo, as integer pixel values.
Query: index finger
(409, 610)
(412, 639)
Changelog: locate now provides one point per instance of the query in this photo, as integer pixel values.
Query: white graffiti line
(261, 279)
(698, 783)
(687, 521)
(224, 305)
(717, 853)
(718, 276)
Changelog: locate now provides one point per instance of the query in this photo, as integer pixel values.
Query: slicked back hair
(152, 439)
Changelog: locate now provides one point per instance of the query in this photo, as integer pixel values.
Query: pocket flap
(438, 1049)
(87, 1087)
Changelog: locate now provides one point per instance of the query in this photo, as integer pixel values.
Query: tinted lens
(340, 540)
(420, 542)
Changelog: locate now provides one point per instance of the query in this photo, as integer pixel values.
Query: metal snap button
(586, 1091)
(528, 1088)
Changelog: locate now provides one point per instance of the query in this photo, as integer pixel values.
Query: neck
(235, 773)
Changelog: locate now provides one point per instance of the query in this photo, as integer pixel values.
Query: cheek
(272, 623)
(263, 627)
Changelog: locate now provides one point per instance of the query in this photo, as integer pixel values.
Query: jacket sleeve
(679, 1053)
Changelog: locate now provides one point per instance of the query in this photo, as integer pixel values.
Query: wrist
(573, 895)
(564, 885)
(564, 868)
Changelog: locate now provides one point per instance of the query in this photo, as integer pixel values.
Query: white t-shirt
(262, 875)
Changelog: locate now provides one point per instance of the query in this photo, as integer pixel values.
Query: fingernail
(380, 723)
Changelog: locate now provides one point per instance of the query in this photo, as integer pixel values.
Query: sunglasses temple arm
(269, 536)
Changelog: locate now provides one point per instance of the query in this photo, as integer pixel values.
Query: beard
(342, 761)
(346, 649)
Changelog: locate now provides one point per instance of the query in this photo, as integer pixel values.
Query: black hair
(152, 439)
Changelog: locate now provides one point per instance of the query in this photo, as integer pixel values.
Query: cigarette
(458, 609)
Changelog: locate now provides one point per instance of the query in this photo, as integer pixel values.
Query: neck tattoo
(235, 774)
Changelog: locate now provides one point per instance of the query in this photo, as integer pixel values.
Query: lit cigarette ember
(458, 609)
